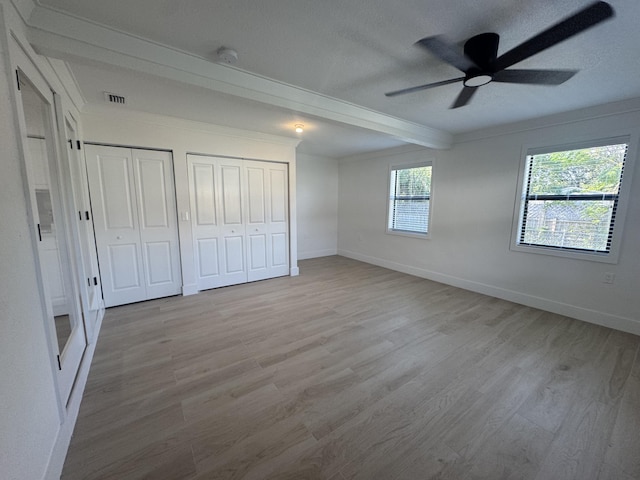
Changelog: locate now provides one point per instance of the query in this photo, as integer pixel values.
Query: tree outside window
(570, 198)
(409, 199)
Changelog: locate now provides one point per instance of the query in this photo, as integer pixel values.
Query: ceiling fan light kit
(481, 64)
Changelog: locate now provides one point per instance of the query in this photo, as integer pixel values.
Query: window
(571, 198)
(409, 199)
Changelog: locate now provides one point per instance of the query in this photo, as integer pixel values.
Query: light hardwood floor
(351, 371)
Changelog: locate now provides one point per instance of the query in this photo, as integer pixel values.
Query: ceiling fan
(481, 65)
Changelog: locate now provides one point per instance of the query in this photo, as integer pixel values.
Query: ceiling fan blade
(534, 77)
(448, 52)
(423, 87)
(464, 97)
(570, 26)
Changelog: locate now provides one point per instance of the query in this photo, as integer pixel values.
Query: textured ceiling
(357, 50)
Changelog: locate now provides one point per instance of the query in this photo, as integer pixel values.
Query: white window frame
(404, 233)
(631, 139)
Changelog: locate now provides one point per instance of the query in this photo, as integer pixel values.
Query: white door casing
(135, 223)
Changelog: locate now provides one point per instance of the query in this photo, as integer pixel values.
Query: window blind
(571, 198)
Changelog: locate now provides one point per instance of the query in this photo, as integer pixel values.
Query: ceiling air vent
(113, 98)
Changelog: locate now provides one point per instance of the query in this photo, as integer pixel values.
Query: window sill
(401, 233)
(610, 257)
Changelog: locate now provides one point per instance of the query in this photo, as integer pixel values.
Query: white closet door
(133, 203)
(203, 175)
(158, 222)
(267, 220)
(240, 220)
(233, 264)
(218, 228)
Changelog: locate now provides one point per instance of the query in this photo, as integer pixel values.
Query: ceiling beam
(58, 35)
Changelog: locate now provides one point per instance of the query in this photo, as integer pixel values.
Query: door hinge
(79, 145)
(71, 144)
(59, 364)
(80, 215)
(88, 282)
(39, 233)
(95, 281)
(18, 78)
(86, 214)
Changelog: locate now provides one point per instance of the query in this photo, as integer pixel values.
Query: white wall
(29, 421)
(317, 206)
(474, 190)
(125, 127)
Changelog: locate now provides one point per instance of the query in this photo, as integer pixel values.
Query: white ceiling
(353, 52)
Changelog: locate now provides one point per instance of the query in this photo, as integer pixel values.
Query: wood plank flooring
(355, 372)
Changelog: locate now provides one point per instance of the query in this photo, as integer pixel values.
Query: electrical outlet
(609, 277)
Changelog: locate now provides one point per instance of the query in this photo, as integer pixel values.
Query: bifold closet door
(240, 220)
(267, 220)
(135, 222)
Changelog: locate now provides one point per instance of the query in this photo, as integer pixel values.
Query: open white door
(50, 211)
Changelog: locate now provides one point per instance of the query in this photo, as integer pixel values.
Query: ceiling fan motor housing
(482, 50)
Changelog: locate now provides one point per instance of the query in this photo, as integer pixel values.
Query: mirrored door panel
(55, 255)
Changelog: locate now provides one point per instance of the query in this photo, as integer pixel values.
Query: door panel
(255, 195)
(52, 214)
(153, 197)
(124, 279)
(88, 272)
(207, 255)
(205, 201)
(251, 240)
(231, 195)
(267, 192)
(257, 222)
(258, 249)
(158, 256)
(204, 194)
(116, 184)
(279, 221)
(158, 227)
(278, 195)
(234, 255)
(136, 226)
(115, 215)
(279, 251)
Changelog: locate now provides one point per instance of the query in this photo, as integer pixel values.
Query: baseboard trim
(317, 253)
(588, 315)
(61, 446)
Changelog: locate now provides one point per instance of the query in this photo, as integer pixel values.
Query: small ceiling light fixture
(227, 55)
(299, 128)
